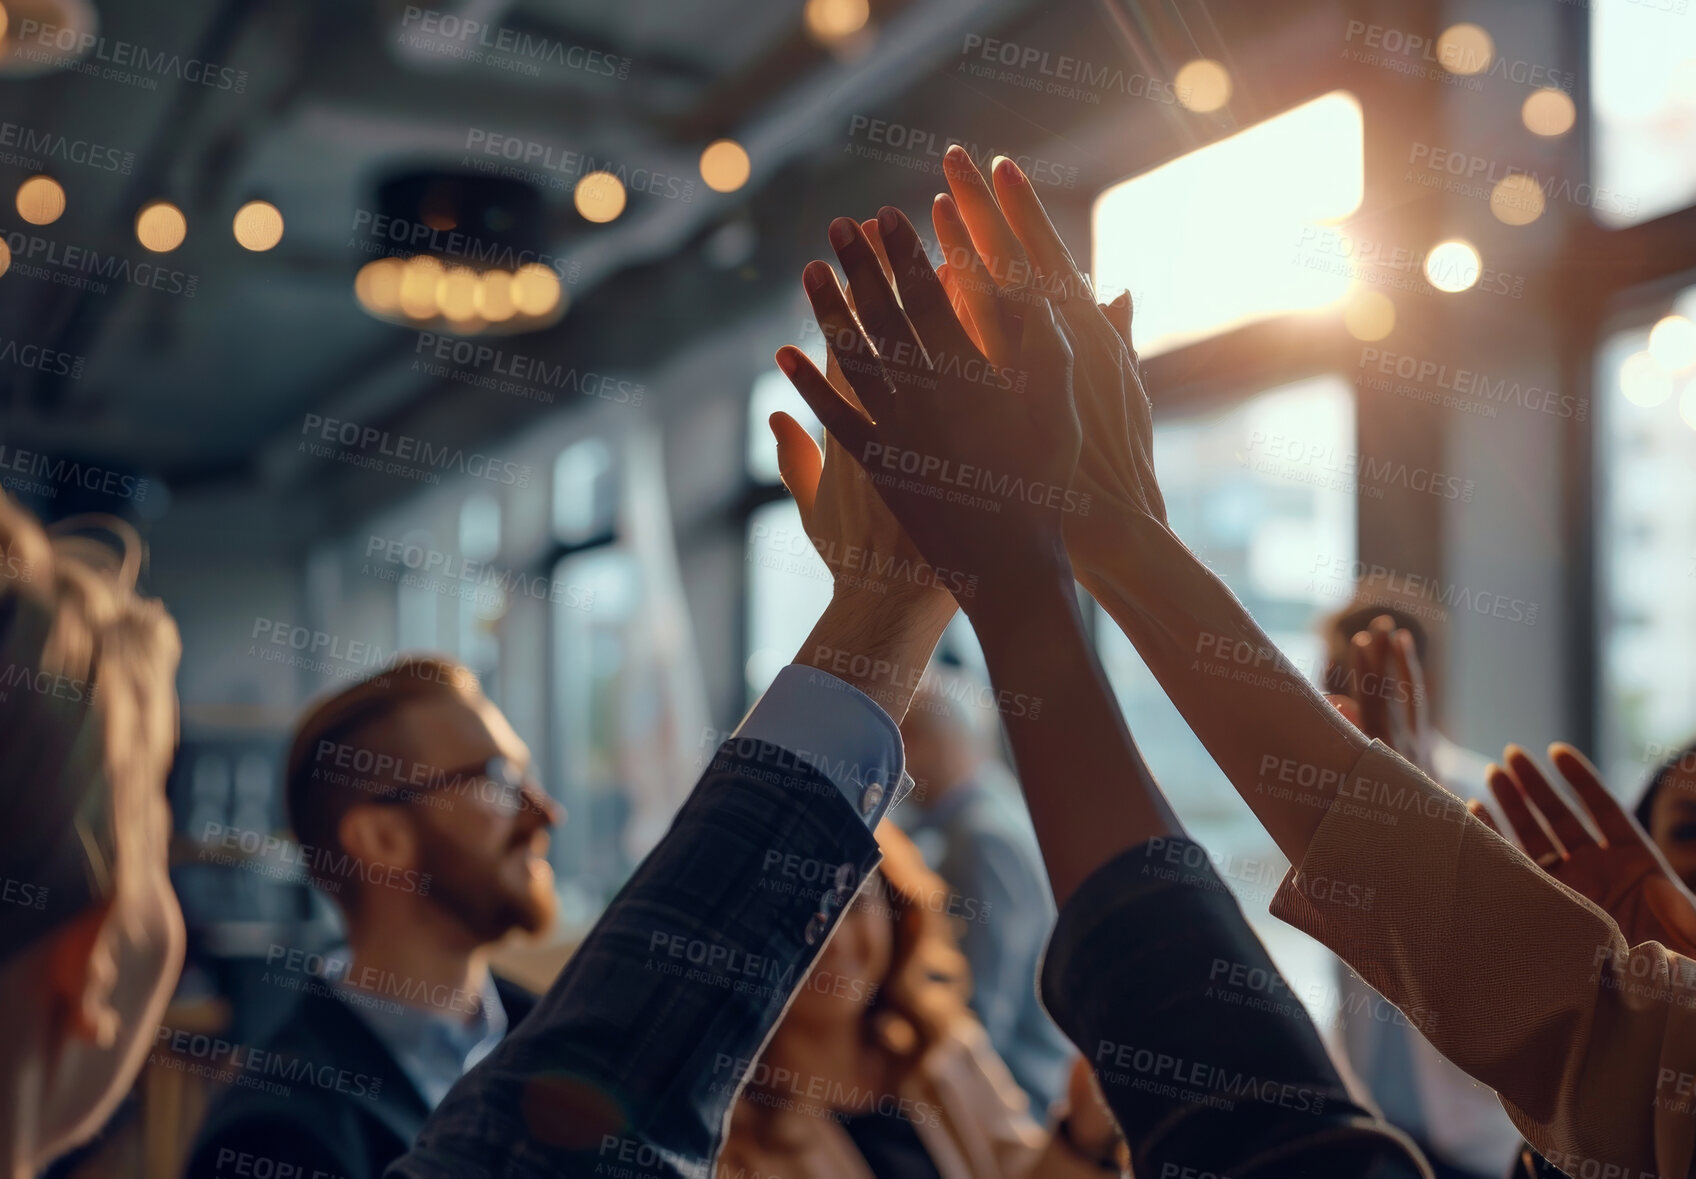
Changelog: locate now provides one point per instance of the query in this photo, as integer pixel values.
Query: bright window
(1643, 99)
(1646, 540)
(1227, 235)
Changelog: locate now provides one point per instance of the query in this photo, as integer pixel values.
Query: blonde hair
(88, 715)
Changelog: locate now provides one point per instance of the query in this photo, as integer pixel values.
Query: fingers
(1364, 667)
(921, 291)
(869, 228)
(1047, 252)
(799, 463)
(994, 239)
(844, 421)
(1566, 826)
(865, 372)
(874, 298)
(967, 276)
(1527, 828)
(957, 300)
(1404, 660)
(1617, 827)
(1482, 813)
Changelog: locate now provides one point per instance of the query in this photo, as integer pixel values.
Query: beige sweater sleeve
(1530, 988)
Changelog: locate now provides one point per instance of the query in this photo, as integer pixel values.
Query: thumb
(799, 463)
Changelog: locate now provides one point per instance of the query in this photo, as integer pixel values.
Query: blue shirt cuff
(838, 730)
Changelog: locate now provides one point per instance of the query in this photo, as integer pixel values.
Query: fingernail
(1007, 171)
(888, 219)
(786, 362)
(956, 153)
(1123, 299)
(841, 232)
(815, 276)
(946, 204)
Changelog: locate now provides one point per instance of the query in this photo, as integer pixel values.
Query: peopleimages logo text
(43, 144)
(417, 452)
(73, 48)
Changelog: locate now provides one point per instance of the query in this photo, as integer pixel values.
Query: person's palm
(973, 458)
(1616, 865)
(1002, 242)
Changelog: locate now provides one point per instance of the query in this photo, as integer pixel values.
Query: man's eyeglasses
(497, 783)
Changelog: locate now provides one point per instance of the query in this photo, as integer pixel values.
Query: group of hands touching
(1001, 361)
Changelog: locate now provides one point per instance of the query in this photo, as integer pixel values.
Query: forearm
(1089, 793)
(1262, 721)
(633, 1058)
(879, 643)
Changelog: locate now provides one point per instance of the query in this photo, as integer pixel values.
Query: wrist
(1037, 581)
(878, 643)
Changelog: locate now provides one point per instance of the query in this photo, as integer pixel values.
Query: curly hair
(929, 982)
(88, 715)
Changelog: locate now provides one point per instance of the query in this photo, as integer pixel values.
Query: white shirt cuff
(833, 727)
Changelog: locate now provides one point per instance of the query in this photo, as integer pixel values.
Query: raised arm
(975, 459)
(618, 1069)
(1522, 983)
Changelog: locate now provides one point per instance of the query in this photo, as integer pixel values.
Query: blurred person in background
(412, 799)
(879, 1068)
(970, 821)
(1667, 811)
(91, 937)
(1457, 1122)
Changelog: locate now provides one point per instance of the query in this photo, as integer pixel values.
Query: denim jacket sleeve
(630, 1063)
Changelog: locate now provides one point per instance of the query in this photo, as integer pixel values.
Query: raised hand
(1384, 694)
(974, 458)
(860, 542)
(1617, 866)
(1002, 242)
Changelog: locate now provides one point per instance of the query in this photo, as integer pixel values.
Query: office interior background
(449, 326)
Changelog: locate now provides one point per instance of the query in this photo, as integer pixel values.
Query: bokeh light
(494, 296)
(1203, 85)
(1453, 266)
(258, 226)
(1369, 315)
(725, 166)
(535, 289)
(1672, 342)
(599, 197)
(1465, 49)
(418, 282)
(1548, 112)
(377, 286)
(456, 293)
(830, 21)
(41, 200)
(1517, 199)
(160, 227)
(1642, 381)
